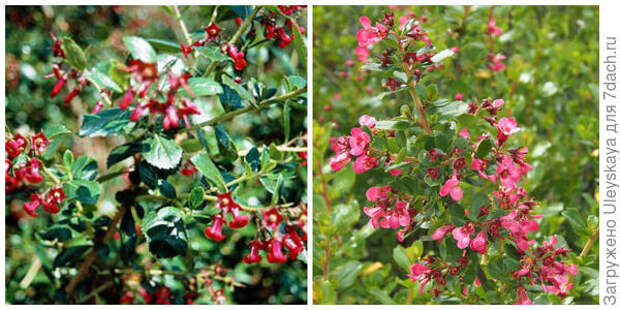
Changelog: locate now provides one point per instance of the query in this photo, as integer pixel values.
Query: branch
(231, 114)
(177, 16)
(83, 269)
(236, 36)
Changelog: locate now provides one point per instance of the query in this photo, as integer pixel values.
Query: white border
(609, 22)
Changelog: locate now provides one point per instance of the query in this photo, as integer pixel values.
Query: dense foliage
(455, 155)
(156, 155)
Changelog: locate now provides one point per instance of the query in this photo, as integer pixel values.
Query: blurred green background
(29, 108)
(550, 86)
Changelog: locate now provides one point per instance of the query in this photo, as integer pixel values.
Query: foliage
(550, 93)
(148, 152)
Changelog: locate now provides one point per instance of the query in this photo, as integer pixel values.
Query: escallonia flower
(31, 171)
(364, 163)
(214, 232)
(39, 142)
(452, 188)
(254, 256)
(212, 31)
(369, 35)
(272, 218)
(462, 235)
(358, 141)
(274, 251)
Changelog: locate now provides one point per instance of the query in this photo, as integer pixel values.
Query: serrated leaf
(53, 130)
(162, 153)
(85, 191)
(230, 99)
(347, 273)
(212, 53)
(394, 125)
(196, 197)
(241, 91)
(84, 168)
(253, 159)
(123, 152)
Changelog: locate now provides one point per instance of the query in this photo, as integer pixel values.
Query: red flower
(212, 31)
(58, 87)
(254, 255)
(12, 148)
(441, 232)
(39, 142)
(214, 232)
(186, 50)
(275, 254)
(31, 206)
(239, 220)
(127, 98)
(32, 173)
(272, 218)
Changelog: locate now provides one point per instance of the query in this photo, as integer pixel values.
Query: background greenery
(99, 30)
(550, 87)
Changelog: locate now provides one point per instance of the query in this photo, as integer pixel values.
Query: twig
(177, 16)
(32, 272)
(83, 269)
(231, 114)
(96, 291)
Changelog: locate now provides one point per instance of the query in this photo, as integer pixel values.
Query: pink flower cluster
(356, 144)
(390, 210)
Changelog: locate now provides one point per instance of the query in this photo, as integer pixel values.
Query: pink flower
(364, 163)
(400, 216)
(375, 215)
(441, 232)
(496, 64)
(455, 49)
(362, 53)
(462, 235)
(509, 173)
(419, 272)
(522, 298)
(359, 141)
(464, 134)
(492, 29)
(349, 63)
(480, 242)
(458, 96)
(338, 161)
(368, 121)
(506, 127)
(377, 192)
(452, 187)
(369, 35)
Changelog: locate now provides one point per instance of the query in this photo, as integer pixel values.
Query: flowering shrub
(203, 148)
(445, 177)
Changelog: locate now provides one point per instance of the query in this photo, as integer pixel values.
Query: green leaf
(230, 99)
(165, 232)
(328, 293)
(167, 189)
(394, 125)
(382, 296)
(196, 197)
(58, 231)
(67, 158)
(275, 196)
(123, 152)
(53, 130)
(225, 144)
(575, 219)
(450, 110)
(414, 252)
(110, 122)
(241, 91)
(400, 257)
(84, 168)
(439, 57)
(477, 201)
(84, 191)
(202, 87)
(253, 159)
(70, 255)
(162, 153)
(286, 120)
(165, 46)
(376, 67)
(103, 80)
(212, 53)
(140, 49)
(74, 54)
(204, 164)
(484, 148)
(347, 273)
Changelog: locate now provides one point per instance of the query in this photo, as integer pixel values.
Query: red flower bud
(58, 87)
(72, 95)
(127, 99)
